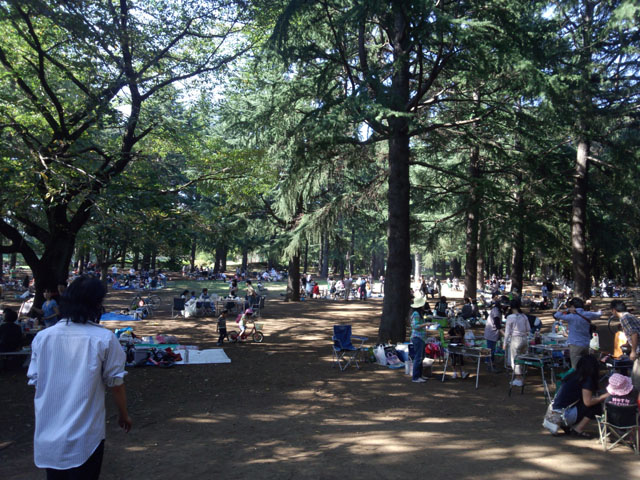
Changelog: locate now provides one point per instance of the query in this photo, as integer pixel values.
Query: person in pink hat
(621, 391)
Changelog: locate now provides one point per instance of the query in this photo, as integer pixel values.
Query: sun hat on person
(619, 385)
(418, 302)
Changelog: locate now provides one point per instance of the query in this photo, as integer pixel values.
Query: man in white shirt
(71, 364)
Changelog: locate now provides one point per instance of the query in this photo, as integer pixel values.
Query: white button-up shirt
(71, 364)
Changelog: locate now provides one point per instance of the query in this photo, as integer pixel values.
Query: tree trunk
(471, 262)
(136, 259)
(293, 282)
(192, 256)
(579, 257)
(13, 259)
(517, 260)
(146, 259)
(53, 266)
(245, 258)
(154, 258)
(324, 266)
(480, 268)
(225, 250)
(456, 267)
(306, 256)
(636, 266)
(123, 255)
(417, 267)
(395, 309)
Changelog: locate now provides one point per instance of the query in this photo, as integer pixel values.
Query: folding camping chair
(344, 352)
(618, 425)
(177, 308)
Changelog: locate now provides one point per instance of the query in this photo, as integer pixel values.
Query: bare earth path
(280, 411)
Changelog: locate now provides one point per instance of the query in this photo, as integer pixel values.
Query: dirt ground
(280, 410)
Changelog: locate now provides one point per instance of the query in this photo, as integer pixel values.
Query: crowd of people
(507, 325)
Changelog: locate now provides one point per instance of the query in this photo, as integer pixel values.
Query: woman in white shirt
(517, 332)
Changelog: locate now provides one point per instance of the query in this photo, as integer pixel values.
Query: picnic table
(474, 352)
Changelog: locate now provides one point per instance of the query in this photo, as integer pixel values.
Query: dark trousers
(223, 334)
(89, 470)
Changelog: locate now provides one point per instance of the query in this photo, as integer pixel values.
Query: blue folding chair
(344, 352)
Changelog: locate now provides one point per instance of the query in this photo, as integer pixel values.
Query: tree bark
(136, 259)
(146, 259)
(480, 263)
(324, 266)
(579, 256)
(245, 258)
(192, 255)
(471, 263)
(293, 282)
(517, 259)
(306, 256)
(417, 267)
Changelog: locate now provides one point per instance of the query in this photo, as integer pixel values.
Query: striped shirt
(71, 364)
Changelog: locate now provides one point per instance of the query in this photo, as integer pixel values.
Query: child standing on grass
(222, 326)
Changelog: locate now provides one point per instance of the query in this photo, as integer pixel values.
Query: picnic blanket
(117, 317)
(195, 357)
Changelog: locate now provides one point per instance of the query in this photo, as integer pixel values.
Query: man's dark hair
(576, 302)
(618, 306)
(10, 315)
(82, 301)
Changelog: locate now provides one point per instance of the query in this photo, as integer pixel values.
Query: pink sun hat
(619, 385)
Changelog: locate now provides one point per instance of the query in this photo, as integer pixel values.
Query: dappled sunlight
(279, 410)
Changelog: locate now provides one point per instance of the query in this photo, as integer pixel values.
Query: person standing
(418, 339)
(579, 323)
(516, 332)
(631, 328)
(72, 363)
(493, 328)
(347, 287)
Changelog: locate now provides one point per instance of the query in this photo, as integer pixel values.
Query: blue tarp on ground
(117, 317)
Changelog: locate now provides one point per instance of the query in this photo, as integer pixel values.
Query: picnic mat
(117, 317)
(195, 357)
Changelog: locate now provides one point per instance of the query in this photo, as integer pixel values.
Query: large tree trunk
(146, 259)
(517, 258)
(579, 256)
(223, 260)
(124, 255)
(53, 266)
(136, 259)
(471, 263)
(192, 256)
(245, 258)
(480, 263)
(154, 258)
(13, 259)
(293, 282)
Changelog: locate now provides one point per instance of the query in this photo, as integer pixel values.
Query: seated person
(242, 321)
(621, 391)
(580, 388)
(204, 296)
(535, 323)
(441, 307)
(456, 335)
(10, 332)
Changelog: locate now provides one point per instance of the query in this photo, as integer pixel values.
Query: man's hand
(125, 422)
(633, 355)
